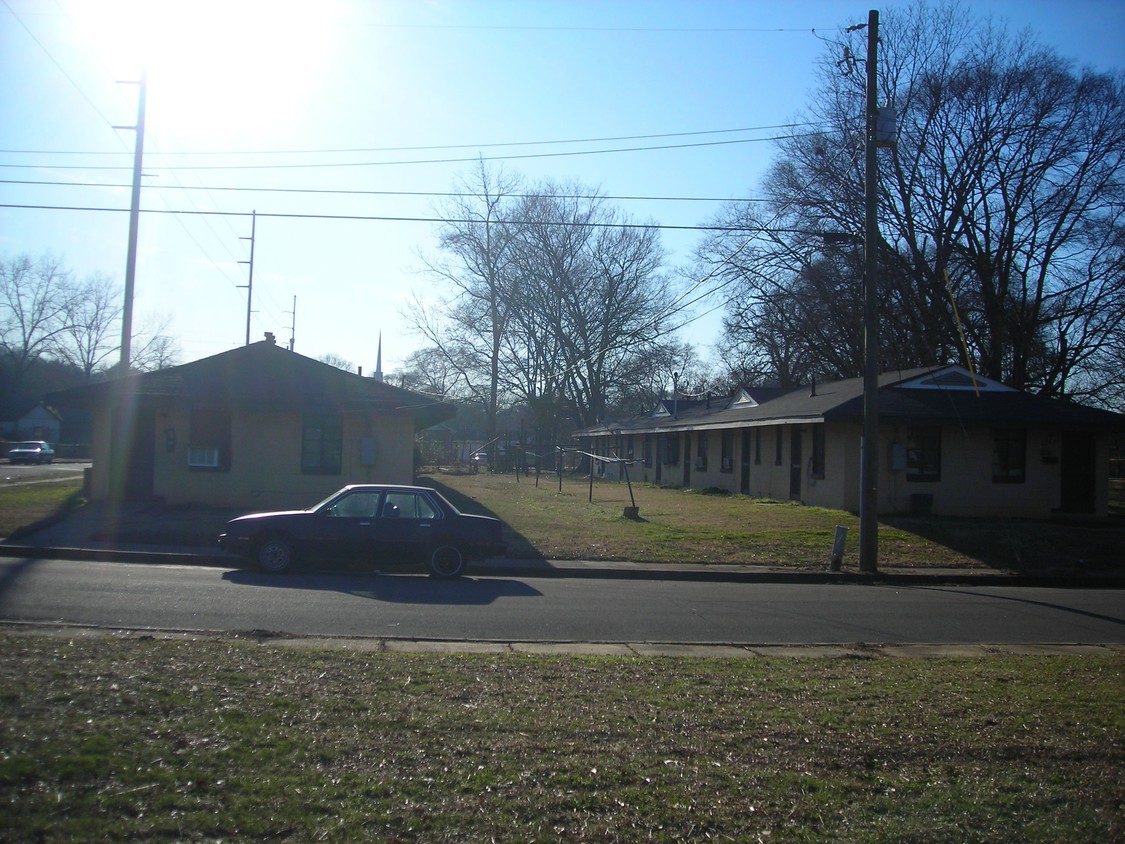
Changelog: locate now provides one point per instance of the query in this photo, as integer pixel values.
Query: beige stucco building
(950, 443)
(256, 427)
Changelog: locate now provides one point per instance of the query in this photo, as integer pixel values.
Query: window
(648, 450)
(758, 447)
(408, 505)
(322, 445)
(818, 451)
(209, 443)
(357, 505)
(200, 457)
(778, 451)
(701, 451)
(1009, 456)
(726, 448)
(923, 453)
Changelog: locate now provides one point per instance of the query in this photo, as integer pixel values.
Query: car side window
(358, 505)
(407, 505)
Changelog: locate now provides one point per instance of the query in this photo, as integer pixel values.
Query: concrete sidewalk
(73, 537)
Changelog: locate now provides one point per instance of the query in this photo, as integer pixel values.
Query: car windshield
(320, 505)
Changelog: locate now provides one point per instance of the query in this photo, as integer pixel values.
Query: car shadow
(392, 586)
(519, 546)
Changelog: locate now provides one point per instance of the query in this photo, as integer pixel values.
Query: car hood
(252, 517)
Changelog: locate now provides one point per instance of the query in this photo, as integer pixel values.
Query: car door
(405, 525)
(349, 525)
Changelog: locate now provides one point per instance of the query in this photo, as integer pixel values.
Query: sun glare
(218, 67)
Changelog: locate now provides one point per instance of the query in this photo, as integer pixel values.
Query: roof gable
(955, 378)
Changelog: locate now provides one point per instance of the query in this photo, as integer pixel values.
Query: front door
(744, 486)
(133, 453)
(687, 460)
(795, 464)
(348, 526)
(1078, 470)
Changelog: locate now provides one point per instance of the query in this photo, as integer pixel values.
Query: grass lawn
(689, 526)
(24, 504)
(120, 738)
(675, 526)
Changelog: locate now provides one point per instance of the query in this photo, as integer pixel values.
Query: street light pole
(869, 471)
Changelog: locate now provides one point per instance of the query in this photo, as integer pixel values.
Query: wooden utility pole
(293, 326)
(869, 471)
(249, 286)
(134, 226)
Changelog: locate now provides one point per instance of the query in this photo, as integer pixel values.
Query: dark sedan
(370, 524)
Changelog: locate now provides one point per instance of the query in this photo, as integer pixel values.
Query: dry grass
(134, 738)
(21, 506)
(689, 526)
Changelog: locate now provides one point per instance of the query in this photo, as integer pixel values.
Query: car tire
(446, 562)
(275, 554)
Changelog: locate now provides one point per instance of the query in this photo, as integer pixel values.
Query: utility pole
(249, 286)
(134, 224)
(293, 326)
(869, 471)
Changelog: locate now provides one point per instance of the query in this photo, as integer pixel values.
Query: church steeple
(379, 360)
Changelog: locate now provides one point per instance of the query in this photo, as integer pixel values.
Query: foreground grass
(25, 504)
(686, 526)
(133, 738)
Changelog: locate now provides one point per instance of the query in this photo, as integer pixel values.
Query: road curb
(598, 570)
(554, 648)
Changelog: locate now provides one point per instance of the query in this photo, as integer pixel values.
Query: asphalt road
(21, 473)
(138, 596)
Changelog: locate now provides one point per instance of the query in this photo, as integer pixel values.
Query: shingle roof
(903, 395)
(266, 376)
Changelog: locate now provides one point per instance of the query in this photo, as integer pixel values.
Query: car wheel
(447, 561)
(275, 554)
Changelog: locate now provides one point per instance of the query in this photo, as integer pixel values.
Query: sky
(341, 123)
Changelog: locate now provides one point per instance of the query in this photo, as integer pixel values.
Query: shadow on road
(990, 596)
(394, 588)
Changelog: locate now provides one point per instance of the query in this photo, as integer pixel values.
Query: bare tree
(591, 282)
(1000, 206)
(153, 347)
(468, 326)
(35, 299)
(429, 371)
(338, 361)
(92, 325)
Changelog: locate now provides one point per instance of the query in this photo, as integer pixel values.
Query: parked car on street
(35, 451)
(370, 524)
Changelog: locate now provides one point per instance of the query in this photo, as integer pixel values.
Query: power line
(392, 219)
(354, 150)
(339, 192)
(338, 164)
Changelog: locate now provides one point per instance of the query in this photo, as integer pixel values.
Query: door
(1078, 472)
(744, 485)
(795, 460)
(347, 529)
(687, 460)
(133, 453)
(405, 526)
